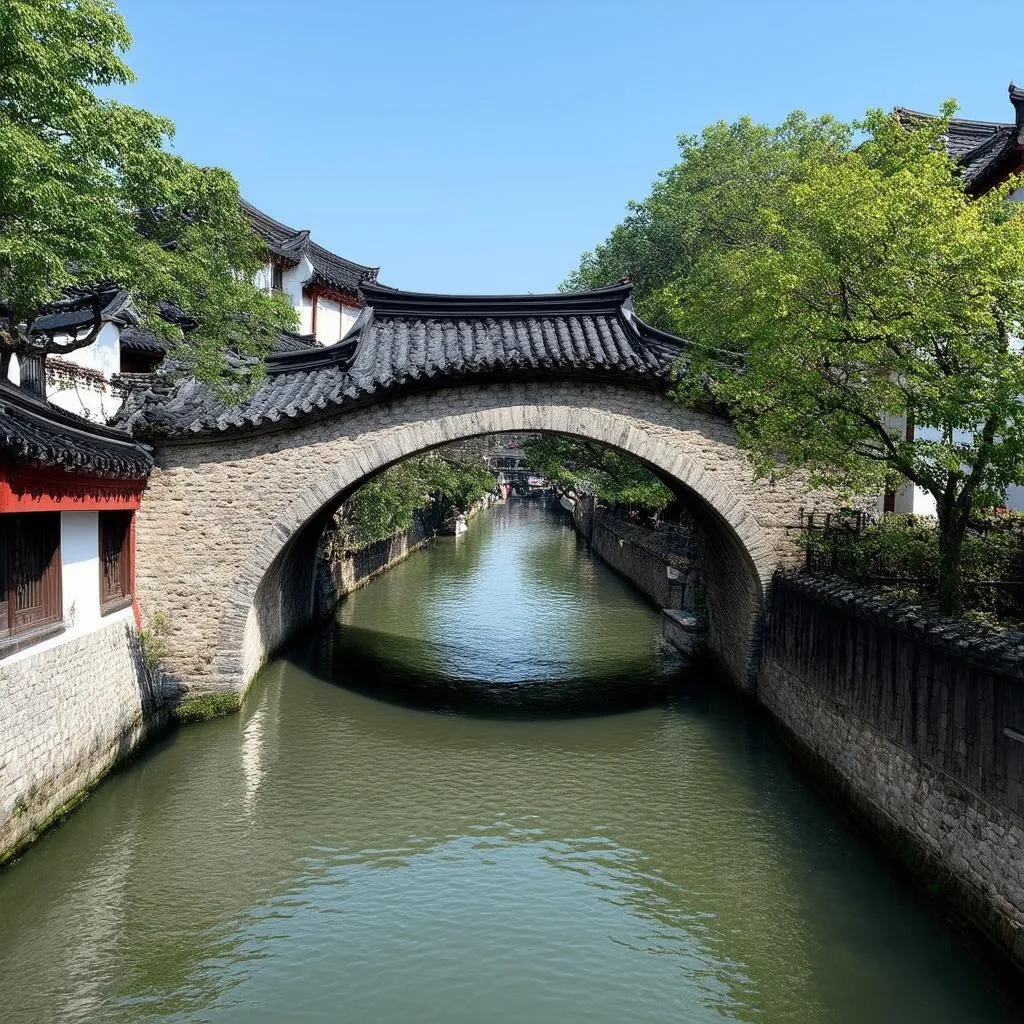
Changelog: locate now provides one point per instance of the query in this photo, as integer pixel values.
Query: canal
(419, 816)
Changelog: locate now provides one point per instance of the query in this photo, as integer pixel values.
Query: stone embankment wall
(642, 555)
(67, 715)
(662, 563)
(343, 573)
(919, 727)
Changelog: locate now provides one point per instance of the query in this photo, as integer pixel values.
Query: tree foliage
(830, 289)
(591, 468)
(388, 503)
(711, 197)
(90, 194)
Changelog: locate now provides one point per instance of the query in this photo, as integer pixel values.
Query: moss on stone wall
(207, 706)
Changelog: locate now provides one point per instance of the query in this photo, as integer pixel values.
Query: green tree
(866, 288)
(710, 198)
(89, 194)
(387, 503)
(596, 469)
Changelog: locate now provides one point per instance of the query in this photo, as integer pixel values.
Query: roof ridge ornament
(1017, 99)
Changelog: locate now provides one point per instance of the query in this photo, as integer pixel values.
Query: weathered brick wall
(229, 525)
(66, 715)
(920, 727)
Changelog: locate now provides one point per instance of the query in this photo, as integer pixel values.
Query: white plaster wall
(262, 278)
(912, 499)
(291, 282)
(328, 321)
(80, 571)
(104, 354)
(349, 316)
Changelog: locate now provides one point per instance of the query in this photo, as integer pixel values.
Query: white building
(85, 381)
(322, 287)
(989, 153)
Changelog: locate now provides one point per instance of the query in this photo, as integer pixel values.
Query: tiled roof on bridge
(34, 431)
(291, 244)
(409, 340)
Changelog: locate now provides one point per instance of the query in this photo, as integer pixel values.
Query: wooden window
(30, 579)
(116, 569)
(276, 277)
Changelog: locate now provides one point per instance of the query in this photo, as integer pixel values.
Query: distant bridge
(240, 495)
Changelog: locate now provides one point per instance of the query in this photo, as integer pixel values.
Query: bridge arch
(230, 523)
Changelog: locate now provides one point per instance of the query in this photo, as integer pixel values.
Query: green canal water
(343, 851)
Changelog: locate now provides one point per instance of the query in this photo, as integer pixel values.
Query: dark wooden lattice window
(276, 277)
(30, 578)
(116, 570)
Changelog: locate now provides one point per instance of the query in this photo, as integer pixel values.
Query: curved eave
(328, 357)
(41, 433)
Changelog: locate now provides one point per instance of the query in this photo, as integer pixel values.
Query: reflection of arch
(270, 593)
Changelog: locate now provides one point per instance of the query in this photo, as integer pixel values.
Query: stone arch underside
(229, 526)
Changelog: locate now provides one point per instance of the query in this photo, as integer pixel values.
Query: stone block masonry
(920, 728)
(643, 556)
(342, 574)
(67, 715)
(229, 525)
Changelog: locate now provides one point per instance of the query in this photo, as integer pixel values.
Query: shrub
(902, 551)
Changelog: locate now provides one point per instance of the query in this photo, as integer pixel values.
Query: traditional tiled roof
(142, 339)
(409, 340)
(75, 311)
(283, 241)
(288, 341)
(291, 245)
(987, 151)
(36, 432)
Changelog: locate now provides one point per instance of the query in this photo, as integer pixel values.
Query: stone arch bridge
(235, 507)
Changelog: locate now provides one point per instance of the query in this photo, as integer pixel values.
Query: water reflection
(514, 601)
(326, 855)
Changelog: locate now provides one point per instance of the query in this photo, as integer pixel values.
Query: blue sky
(482, 146)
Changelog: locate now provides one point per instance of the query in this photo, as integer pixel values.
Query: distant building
(322, 287)
(989, 153)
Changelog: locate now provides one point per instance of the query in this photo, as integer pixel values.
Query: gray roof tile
(402, 338)
(291, 244)
(34, 431)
